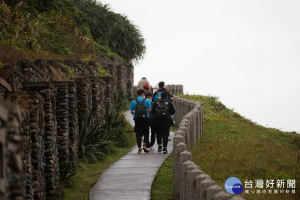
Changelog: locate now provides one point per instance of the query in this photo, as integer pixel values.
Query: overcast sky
(246, 52)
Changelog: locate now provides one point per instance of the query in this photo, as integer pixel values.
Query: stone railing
(175, 89)
(39, 136)
(190, 183)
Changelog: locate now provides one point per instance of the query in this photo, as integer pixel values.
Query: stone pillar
(193, 172)
(4, 193)
(102, 86)
(108, 90)
(62, 120)
(203, 181)
(84, 96)
(184, 126)
(73, 123)
(212, 190)
(50, 141)
(96, 98)
(121, 84)
(36, 115)
(49, 135)
(14, 152)
(130, 79)
(179, 146)
(185, 159)
(26, 156)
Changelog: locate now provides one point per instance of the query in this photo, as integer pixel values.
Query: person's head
(149, 96)
(140, 92)
(164, 95)
(161, 84)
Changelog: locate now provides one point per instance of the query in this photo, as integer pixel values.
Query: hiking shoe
(165, 151)
(159, 148)
(139, 151)
(145, 148)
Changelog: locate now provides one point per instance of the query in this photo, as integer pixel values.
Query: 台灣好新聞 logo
(233, 186)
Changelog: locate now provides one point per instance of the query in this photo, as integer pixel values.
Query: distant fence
(190, 183)
(173, 89)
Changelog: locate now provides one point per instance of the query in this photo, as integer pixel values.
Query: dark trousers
(162, 130)
(153, 133)
(142, 129)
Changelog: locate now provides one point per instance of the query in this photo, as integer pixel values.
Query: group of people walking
(152, 111)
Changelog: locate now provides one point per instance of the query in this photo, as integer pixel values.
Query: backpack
(140, 110)
(162, 108)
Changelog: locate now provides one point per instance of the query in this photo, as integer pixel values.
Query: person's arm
(172, 108)
(149, 106)
(170, 96)
(154, 95)
(132, 106)
(153, 108)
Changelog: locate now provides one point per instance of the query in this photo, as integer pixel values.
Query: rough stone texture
(26, 155)
(4, 192)
(180, 147)
(73, 123)
(57, 94)
(49, 134)
(175, 89)
(4, 89)
(98, 102)
(84, 96)
(62, 120)
(130, 79)
(109, 90)
(121, 78)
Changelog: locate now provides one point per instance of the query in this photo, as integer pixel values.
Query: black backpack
(140, 110)
(162, 108)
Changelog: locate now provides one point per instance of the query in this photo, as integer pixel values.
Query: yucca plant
(93, 140)
(114, 126)
(120, 100)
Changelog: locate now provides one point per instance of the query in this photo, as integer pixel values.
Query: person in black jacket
(152, 124)
(163, 108)
(157, 94)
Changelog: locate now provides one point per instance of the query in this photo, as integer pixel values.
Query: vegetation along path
(131, 177)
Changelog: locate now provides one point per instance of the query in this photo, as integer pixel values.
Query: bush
(69, 27)
(114, 125)
(93, 140)
(120, 100)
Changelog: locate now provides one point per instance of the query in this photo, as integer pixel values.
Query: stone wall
(11, 166)
(190, 183)
(175, 89)
(40, 139)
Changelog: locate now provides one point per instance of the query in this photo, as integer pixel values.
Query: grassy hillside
(233, 146)
(52, 29)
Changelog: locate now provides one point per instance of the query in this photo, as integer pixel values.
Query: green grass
(79, 186)
(101, 72)
(234, 146)
(162, 187)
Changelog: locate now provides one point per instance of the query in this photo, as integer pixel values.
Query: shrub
(93, 140)
(114, 126)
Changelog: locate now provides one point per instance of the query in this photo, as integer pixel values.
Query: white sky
(246, 52)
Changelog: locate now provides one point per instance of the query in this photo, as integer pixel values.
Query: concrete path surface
(131, 177)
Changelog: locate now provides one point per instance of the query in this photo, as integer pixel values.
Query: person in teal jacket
(140, 108)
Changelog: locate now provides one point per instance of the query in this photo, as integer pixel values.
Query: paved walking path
(130, 177)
